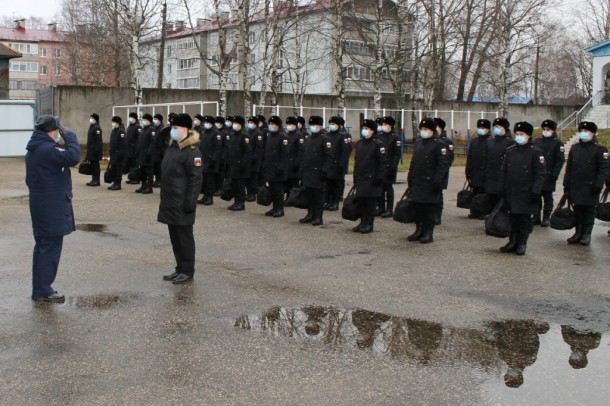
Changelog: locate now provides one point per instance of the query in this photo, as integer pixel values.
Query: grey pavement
(286, 313)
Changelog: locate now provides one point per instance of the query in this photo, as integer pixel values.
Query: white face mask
(115, 125)
(218, 125)
(333, 128)
(425, 134)
(237, 127)
(547, 134)
(156, 122)
(92, 121)
(229, 124)
(385, 129)
(196, 123)
(132, 120)
(273, 128)
(207, 126)
(291, 127)
(145, 123)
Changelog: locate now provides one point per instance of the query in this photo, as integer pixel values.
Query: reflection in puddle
(100, 301)
(95, 228)
(500, 348)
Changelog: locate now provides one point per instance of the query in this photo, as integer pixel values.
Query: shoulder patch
(382, 150)
(450, 147)
(246, 140)
(605, 155)
(153, 133)
(398, 143)
(285, 142)
(219, 137)
(443, 151)
(228, 137)
(260, 137)
(329, 145)
(562, 148)
(139, 130)
(98, 131)
(302, 140)
(197, 161)
(122, 135)
(541, 159)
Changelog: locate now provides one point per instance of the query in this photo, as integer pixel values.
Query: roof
(27, 35)
(7, 52)
(601, 49)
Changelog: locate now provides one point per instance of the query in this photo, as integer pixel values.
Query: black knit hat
(117, 119)
(239, 120)
(47, 123)
(379, 120)
(389, 120)
(95, 117)
(158, 117)
(370, 124)
(428, 123)
(254, 119)
(147, 117)
(198, 117)
(275, 120)
(208, 119)
(316, 120)
(502, 122)
(301, 120)
(588, 125)
(219, 119)
(549, 124)
(230, 118)
(182, 120)
(440, 123)
(525, 127)
(291, 120)
(133, 114)
(261, 118)
(337, 120)
(484, 123)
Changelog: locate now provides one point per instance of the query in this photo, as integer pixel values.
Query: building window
(188, 83)
(24, 66)
(43, 52)
(252, 37)
(57, 71)
(388, 28)
(31, 49)
(186, 44)
(252, 58)
(169, 68)
(169, 51)
(43, 70)
(57, 52)
(192, 63)
(357, 48)
(358, 73)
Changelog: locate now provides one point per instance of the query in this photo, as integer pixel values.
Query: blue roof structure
(496, 99)
(601, 49)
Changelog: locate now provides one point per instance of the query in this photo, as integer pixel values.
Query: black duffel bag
(465, 196)
(109, 174)
(297, 198)
(404, 212)
(226, 193)
(563, 218)
(351, 207)
(263, 196)
(497, 224)
(482, 205)
(134, 174)
(603, 208)
(85, 168)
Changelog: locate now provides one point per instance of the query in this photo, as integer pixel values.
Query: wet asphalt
(285, 313)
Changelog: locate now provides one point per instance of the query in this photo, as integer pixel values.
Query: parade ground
(282, 313)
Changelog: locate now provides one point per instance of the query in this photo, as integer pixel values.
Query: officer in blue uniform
(48, 179)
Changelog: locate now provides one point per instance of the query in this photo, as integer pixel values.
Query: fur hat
(301, 120)
(95, 117)
(379, 120)
(428, 123)
(389, 120)
(588, 125)
(275, 120)
(440, 123)
(337, 120)
(117, 119)
(219, 119)
(254, 119)
(182, 120)
(291, 120)
(261, 118)
(549, 124)
(525, 127)
(147, 117)
(484, 123)
(133, 114)
(316, 120)
(230, 118)
(198, 117)
(47, 123)
(370, 124)
(158, 117)
(208, 119)
(239, 120)
(502, 122)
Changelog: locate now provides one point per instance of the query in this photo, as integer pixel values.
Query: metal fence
(205, 108)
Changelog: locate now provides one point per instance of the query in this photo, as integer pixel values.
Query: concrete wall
(74, 104)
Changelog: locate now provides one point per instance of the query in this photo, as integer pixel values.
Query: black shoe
(437, 221)
(366, 229)
(132, 182)
(94, 183)
(520, 250)
(586, 235)
(182, 278)
(417, 234)
(171, 277)
(140, 189)
(308, 218)
(217, 193)
(115, 186)
(387, 214)
(147, 190)
(53, 298)
(546, 219)
(238, 207)
(536, 219)
(269, 213)
(208, 201)
(156, 184)
(427, 234)
(379, 212)
(231, 206)
(358, 227)
(333, 207)
(577, 235)
(278, 213)
(251, 198)
(326, 206)
(317, 218)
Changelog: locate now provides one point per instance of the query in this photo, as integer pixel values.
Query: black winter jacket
(522, 178)
(586, 172)
(342, 149)
(240, 152)
(554, 158)
(370, 167)
(133, 132)
(393, 147)
(296, 148)
(428, 168)
(258, 149)
(476, 161)
(496, 150)
(95, 143)
(117, 145)
(146, 146)
(316, 160)
(211, 149)
(276, 157)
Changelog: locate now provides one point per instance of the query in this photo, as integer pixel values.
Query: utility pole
(162, 50)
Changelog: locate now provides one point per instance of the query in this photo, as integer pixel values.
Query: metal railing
(200, 105)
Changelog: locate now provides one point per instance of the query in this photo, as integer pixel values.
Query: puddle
(100, 301)
(506, 354)
(96, 228)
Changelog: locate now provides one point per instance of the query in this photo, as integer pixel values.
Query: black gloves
(534, 197)
(189, 208)
(595, 190)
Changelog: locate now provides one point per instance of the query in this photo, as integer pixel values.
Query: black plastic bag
(263, 196)
(297, 198)
(85, 168)
(481, 205)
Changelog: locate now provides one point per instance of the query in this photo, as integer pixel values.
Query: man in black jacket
(392, 144)
(240, 152)
(296, 148)
(219, 123)
(442, 135)
(342, 148)
(274, 164)
(521, 180)
(476, 160)
(117, 152)
(554, 157)
(585, 175)
(316, 164)
(132, 134)
(257, 144)
(427, 171)
(95, 146)
(211, 148)
(145, 151)
(370, 167)
(495, 153)
(181, 184)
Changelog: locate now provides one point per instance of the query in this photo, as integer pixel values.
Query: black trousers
(208, 183)
(585, 215)
(521, 226)
(341, 189)
(315, 197)
(386, 201)
(290, 183)
(252, 184)
(45, 261)
(117, 172)
(368, 207)
(547, 197)
(157, 170)
(131, 163)
(425, 213)
(239, 189)
(146, 174)
(277, 193)
(183, 244)
(332, 191)
(95, 171)
(220, 176)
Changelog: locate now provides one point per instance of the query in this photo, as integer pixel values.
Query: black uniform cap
(261, 118)
(337, 120)
(370, 124)
(198, 117)
(588, 125)
(440, 123)
(502, 122)
(230, 118)
(182, 120)
(275, 120)
(389, 120)
(301, 120)
(47, 123)
(117, 119)
(239, 120)
(219, 119)
(254, 119)
(316, 120)
(525, 127)
(428, 123)
(147, 117)
(133, 114)
(292, 120)
(549, 124)
(208, 119)
(95, 117)
(484, 123)
(158, 117)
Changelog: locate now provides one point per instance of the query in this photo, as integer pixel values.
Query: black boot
(238, 207)
(148, 188)
(577, 234)
(94, 183)
(208, 201)
(439, 216)
(521, 242)
(279, 212)
(512, 243)
(389, 211)
(115, 186)
(308, 218)
(333, 206)
(367, 226)
(586, 235)
(417, 234)
(142, 187)
(546, 218)
(536, 219)
(359, 226)
(427, 234)
(250, 198)
(317, 217)
(269, 213)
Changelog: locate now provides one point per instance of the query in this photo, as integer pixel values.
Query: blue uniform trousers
(47, 253)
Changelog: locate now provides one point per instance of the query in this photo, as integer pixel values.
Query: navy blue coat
(47, 175)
